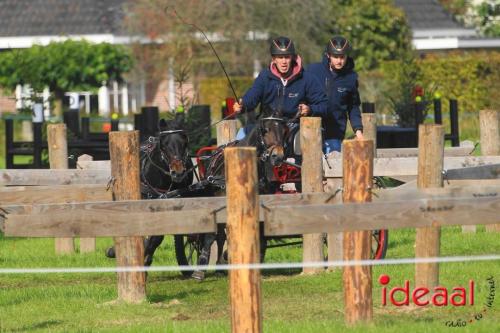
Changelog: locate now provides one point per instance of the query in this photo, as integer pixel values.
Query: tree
(486, 16)
(378, 30)
(483, 15)
(240, 32)
(236, 28)
(62, 67)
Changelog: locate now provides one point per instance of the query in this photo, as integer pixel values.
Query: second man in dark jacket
(340, 82)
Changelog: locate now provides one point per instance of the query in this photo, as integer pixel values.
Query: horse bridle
(164, 157)
(267, 150)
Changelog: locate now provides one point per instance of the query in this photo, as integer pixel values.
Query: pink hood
(297, 68)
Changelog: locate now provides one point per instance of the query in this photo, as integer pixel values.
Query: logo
(341, 90)
(459, 296)
(293, 95)
(422, 296)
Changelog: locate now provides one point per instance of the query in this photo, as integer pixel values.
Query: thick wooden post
(370, 129)
(243, 238)
(226, 132)
(358, 180)
(489, 124)
(124, 153)
(430, 167)
(58, 159)
(312, 181)
(87, 244)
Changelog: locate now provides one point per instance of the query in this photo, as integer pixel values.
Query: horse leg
(150, 245)
(221, 240)
(204, 257)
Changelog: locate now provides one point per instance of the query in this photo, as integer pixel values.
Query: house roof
(60, 17)
(425, 14)
(435, 29)
(27, 22)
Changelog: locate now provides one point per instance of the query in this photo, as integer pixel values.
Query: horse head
(173, 147)
(272, 129)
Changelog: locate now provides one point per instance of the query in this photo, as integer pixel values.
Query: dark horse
(268, 137)
(165, 166)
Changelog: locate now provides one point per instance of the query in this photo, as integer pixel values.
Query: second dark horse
(268, 137)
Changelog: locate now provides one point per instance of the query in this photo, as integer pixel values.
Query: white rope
(319, 264)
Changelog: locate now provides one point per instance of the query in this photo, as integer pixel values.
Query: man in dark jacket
(284, 87)
(340, 82)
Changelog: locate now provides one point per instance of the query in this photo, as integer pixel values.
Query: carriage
(279, 174)
(167, 171)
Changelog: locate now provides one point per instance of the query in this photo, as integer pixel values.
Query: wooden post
(226, 132)
(430, 167)
(58, 159)
(124, 153)
(243, 238)
(87, 244)
(370, 129)
(489, 124)
(358, 180)
(312, 181)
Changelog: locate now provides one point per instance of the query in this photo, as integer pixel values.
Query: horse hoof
(148, 260)
(110, 252)
(198, 275)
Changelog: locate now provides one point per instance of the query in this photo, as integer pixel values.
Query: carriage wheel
(187, 251)
(380, 239)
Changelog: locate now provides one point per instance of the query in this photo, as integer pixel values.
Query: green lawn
(291, 302)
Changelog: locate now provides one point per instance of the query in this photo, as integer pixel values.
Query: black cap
(282, 46)
(338, 45)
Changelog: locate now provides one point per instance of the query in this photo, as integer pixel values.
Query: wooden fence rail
(282, 215)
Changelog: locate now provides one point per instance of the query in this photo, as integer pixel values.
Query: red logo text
(422, 296)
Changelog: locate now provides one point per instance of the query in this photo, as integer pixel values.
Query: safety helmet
(282, 46)
(338, 45)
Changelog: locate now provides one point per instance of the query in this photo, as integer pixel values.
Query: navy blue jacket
(341, 88)
(272, 94)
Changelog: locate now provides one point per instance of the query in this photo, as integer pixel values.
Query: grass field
(291, 302)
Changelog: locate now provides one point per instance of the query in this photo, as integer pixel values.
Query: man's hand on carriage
(304, 110)
(238, 106)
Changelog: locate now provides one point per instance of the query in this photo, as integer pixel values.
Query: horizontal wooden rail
(413, 152)
(400, 166)
(413, 193)
(290, 220)
(34, 177)
(172, 216)
(283, 215)
(54, 194)
(407, 166)
(381, 152)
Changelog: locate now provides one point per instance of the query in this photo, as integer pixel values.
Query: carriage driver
(284, 87)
